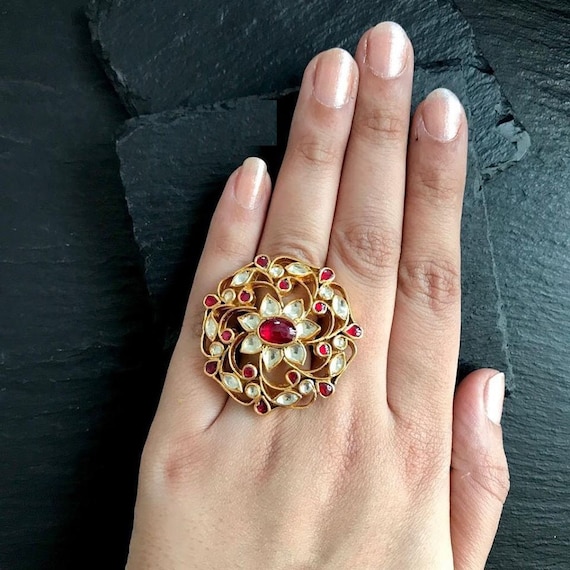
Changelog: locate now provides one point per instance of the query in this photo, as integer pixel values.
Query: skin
(398, 469)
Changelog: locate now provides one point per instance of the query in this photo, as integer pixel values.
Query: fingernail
(441, 114)
(250, 182)
(334, 79)
(386, 50)
(494, 396)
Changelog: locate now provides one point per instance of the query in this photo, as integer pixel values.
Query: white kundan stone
(228, 295)
(232, 382)
(286, 398)
(340, 306)
(216, 349)
(211, 328)
(336, 364)
(306, 387)
(296, 353)
(251, 344)
(295, 309)
(340, 342)
(252, 391)
(240, 278)
(276, 271)
(249, 322)
(307, 329)
(272, 357)
(269, 307)
(326, 292)
(298, 269)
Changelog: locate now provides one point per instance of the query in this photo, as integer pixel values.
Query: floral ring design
(278, 333)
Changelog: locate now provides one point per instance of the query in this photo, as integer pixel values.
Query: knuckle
(376, 125)
(366, 249)
(227, 242)
(437, 186)
(319, 153)
(435, 283)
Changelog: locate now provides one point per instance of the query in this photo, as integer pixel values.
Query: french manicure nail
(494, 397)
(334, 79)
(250, 182)
(386, 50)
(441, 114)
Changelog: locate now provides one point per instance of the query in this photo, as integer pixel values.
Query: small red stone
(293, 376)
(226, 335)
(211, 367)
(327, 274)
(210, 300)
(245, 296)
(325, 389)
(262, 260)
(277, 331)
(284, 284)
(354, 331)
(261, 407)
(319, 307)
(324, 349)
(249, 371)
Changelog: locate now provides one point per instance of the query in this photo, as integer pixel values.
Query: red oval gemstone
(324, 349)
(211, 367)
(293, 376)
(261, 407)
(277, 331)
(226, 335)
(325, 389)
(284, 284)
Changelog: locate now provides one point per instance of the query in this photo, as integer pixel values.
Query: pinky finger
(188, 395)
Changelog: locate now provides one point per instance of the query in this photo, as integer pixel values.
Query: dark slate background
(79, 351)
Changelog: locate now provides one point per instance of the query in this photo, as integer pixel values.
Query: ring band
(278, 333)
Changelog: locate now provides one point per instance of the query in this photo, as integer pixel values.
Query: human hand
(395, 471)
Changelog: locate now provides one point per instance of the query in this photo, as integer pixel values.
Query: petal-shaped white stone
(294, 310)
(252, 391)
(336, 364)
(251, 344)
(240, 278)
(276, 271)
(232, 382)
(216, 349)
(340, 342)
(307, 329)
(286, 398)
(249, 322)
(326, 292)
(272, 357)
(211, 328)
(270, 307)
(298, 269)
(295, 353)
(306, 386)
(340, 306)
(228, 295)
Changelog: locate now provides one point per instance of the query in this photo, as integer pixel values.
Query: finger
(424, 341)
(479, 471)
(366, 233)
(232, 241)
(303, 202)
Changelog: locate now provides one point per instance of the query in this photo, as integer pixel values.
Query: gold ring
(278, 333)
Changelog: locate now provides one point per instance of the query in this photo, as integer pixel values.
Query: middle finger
(367, 229)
